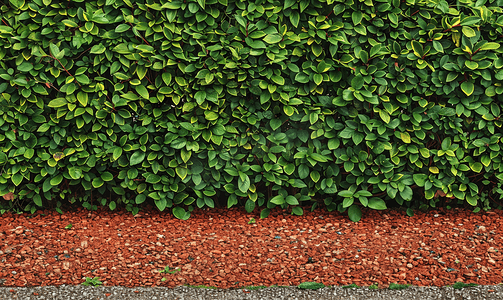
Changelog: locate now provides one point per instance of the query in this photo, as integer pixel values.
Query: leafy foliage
(263, 103)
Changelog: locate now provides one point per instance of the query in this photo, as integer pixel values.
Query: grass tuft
(350, 286)
(394, 286)
(459, 285)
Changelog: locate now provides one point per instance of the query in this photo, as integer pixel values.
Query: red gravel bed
(219, 248)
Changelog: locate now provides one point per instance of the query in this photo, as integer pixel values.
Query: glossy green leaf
(467, 87)
(136, 158)
(376, 203)
(17, 179)
(354, 213)
(273, 38)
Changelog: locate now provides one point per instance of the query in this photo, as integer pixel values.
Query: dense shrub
(259, 103)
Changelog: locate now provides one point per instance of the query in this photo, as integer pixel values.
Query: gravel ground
(66, 292)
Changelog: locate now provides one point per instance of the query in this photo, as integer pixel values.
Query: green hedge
(260, 103)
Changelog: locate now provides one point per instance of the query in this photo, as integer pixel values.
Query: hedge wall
(260, 103)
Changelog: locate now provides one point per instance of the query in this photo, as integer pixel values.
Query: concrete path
(272, 293)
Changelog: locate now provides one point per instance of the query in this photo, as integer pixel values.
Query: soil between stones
(219, 248)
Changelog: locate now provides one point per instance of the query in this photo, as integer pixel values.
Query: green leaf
(295, 18)
(166, 77)
(202, 3)
(122, 28)
(278, 200)
(349, 166)
(97, 49)
(288, 3)
(420, 179)
(315, 175)
(468, 32)
(319, 157)
(18, 178)
(357, 82)
(137, 158)
(161, 204)
(291, 200)
(348, 202)
(278, 79)
(289, 169)
(58, 102)
(140, 198)
(405, 137)
(376, 203)
(490, 46)
(357, 17)
(302, 77)
(181, 172)
(185, 155)
(17, 3)
(47, 185)
(244, 184)
(249, 206)
(438, 46)
(265, 213)
(354, 213)
(142, 91)
(406, 193)
(303, 171)
(317, 49)
(97, 182)
(384, 116)
(273, 38)
(210, 115)
(485, 160)
(25, 67)
(116, 153)
(418, 49)
(467, 87)
(107, 176)
(200, 96)
(56, 180)
(298, 211)
(476, 167)
(375, 50)
(153, 178)
(345, 193)
(75, 173)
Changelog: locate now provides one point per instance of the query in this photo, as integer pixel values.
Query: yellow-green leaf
(467, 87)
(181, 172)
(405, 137)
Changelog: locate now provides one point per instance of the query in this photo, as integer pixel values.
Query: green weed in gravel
(351, 286)
(201, 286)
(395, 286)
(251, 287)
(460, 285)
(311, 285)
(92, 281)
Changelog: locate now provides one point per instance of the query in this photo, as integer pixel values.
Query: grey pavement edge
(67, 292)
